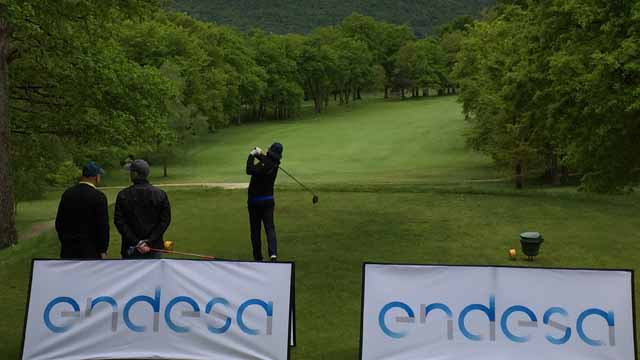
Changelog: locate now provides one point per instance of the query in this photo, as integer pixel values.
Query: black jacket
(142, 213)
(263, 175)
(82, 223)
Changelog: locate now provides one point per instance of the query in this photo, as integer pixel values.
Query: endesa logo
(69, 308)
(558, 333)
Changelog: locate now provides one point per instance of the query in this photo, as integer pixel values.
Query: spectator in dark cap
(142, 215)
(82, 221)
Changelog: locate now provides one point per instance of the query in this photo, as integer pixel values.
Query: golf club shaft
(183, 253)
(299, 183)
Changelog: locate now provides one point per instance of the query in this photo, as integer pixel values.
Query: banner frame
(292, 311)
(633, 293)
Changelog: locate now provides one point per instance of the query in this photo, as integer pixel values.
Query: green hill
(294, 16)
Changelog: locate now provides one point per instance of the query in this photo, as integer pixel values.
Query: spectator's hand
(103, 256)
(143, 247)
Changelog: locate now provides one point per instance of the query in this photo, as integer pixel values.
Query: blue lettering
(172, 303)
(47, 313)
(591, 312)
(505, 318)
(489, 311)
(546, 319)
(155, 304)
(227, 321)
(383, 313)
(268, 308)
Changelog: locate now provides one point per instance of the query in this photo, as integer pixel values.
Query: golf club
(183, 253)
(315, 198)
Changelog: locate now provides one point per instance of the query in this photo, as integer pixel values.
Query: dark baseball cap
(140, 167)
(92, 169)
(275, 150)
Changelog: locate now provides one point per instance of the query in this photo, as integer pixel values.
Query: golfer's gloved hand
(256, 151)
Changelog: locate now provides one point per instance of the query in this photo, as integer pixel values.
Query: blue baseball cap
(92, 169)
(275, 150)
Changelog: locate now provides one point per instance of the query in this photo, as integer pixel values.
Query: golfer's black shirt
(263, 176)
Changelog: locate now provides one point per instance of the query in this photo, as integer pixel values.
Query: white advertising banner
(158, 309)
(422, 312)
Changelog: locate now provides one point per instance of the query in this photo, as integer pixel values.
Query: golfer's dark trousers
(261, 212)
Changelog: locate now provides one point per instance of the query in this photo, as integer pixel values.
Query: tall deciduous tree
(554, 84)
(8, 234)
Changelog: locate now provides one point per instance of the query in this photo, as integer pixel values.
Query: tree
(317, 66)
(431, 67)
(282, 93)
(75, 88)
(552, 86)
(405, 67)
(8, 235)
(393, 38)
(354, 64)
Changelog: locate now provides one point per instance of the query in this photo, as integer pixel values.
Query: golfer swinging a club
(261, 202)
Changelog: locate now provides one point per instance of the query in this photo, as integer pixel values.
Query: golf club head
(315, 199)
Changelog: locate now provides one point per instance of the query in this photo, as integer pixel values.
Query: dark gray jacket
(142, 212)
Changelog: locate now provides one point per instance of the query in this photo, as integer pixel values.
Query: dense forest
(549, 89)
(294, 16)
(96, 79)
(552, 88)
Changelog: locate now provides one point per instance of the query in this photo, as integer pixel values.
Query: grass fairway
(397, 194)
(377, 142)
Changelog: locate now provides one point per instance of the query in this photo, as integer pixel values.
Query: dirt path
(38, 229)
(226, 186)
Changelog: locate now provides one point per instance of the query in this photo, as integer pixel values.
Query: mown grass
(373, 142)
(330, 241)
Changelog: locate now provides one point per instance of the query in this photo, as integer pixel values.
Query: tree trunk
(8, 234)
(553, 172)
(359, 96)
(164, 167)
(519, 177)
(402, 93)
(564, 174)
(386, 92)
(355, 95)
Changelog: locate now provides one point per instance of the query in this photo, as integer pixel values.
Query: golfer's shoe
(274, 258)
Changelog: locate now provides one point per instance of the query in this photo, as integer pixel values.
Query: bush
(64, 175)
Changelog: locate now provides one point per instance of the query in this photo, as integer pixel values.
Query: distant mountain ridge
(302, 16)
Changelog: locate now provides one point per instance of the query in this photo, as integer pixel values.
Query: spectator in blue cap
(82, 222)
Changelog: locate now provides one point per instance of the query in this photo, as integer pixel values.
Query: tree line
(101, 79)
(294, 16)
(551, 89)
